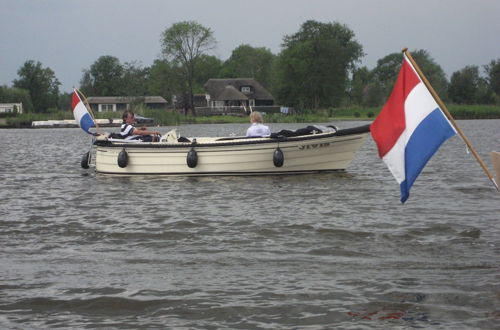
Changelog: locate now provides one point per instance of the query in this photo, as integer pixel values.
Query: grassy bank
(475, 111)
(326, 115)
(457, 111)
(165, 118)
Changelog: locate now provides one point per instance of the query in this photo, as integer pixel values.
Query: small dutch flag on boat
(81, 113)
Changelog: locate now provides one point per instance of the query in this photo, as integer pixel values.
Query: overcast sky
(70, 35)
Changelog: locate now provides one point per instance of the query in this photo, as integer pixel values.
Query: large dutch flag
(410, 128)
(81, 114)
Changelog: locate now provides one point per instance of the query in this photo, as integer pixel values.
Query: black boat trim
(344, 132)
(204, 148)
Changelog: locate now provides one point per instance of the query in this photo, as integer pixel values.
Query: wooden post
(449, 116)
(495, 159)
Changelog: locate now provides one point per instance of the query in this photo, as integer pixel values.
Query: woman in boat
(258, 128)
(129, 132)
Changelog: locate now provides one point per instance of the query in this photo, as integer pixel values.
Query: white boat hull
(319, 152)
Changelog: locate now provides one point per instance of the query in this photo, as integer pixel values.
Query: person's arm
(267, 131)
(144, 131)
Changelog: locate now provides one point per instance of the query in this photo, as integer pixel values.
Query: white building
(11, 107)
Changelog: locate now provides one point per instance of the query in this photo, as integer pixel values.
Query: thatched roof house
(232, 94)
(237, 92)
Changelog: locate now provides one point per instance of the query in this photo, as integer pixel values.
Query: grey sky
(69, 35)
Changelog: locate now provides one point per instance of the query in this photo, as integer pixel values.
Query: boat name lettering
(314, 146)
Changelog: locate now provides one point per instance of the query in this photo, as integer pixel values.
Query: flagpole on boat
(89, 109)
(450, 117)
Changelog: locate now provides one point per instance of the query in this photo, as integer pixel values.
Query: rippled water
(315, 251)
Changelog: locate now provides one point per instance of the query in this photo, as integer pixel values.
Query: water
(315, 251)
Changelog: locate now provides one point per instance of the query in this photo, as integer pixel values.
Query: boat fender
(123, 158)
(192, 158)
(85, 160)
(278, 157)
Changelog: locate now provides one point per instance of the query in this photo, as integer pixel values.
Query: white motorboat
(279, 154)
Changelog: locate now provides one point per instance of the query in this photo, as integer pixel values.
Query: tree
(162, 79)
(206, 67)
(362, 90)
(184, 43)
(387, 69)
(313, 67)
(372, 95)
(250, 62)
(464, 85)
(493, 76)
(104, 78)
(64, 101)
(41, 83)
(134, 79)
(16, 95)
(386, 72)
(433, 71)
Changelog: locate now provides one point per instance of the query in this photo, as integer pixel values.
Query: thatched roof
(125, 99)
(232, 94)
(216, 88)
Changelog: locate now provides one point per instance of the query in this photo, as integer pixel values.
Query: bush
(357, 114)
(166, 118)
(8, 114)
(474, 111)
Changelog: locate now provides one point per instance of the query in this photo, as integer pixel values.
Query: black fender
(85, 160)
(123, 158)
(192, 158)
(278, 157)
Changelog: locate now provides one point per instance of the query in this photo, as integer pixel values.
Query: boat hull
(320, 152)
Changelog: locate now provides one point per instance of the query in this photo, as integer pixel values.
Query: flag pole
(87, 105)
(450, 117)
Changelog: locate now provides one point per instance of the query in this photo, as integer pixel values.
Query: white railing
(240, 110)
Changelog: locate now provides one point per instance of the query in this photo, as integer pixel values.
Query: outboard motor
(123, 158)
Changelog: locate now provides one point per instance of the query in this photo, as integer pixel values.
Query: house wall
(120, 107)
(156, 106)
(106, 107)
(259, 103)
(11, 107)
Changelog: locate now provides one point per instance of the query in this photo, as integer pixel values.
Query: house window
(246, 89)
(107, 107)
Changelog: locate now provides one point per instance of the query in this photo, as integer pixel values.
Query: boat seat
(170, 136)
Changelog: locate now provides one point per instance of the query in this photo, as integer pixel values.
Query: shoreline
(114, 124)
(47, 124)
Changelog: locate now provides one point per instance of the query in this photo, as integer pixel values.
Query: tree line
(318, 67)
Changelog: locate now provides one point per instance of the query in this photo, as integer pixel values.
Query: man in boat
(258, 128)
(129, 132)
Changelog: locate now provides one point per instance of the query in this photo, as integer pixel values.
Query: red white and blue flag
(81, 114)
(410, 128)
